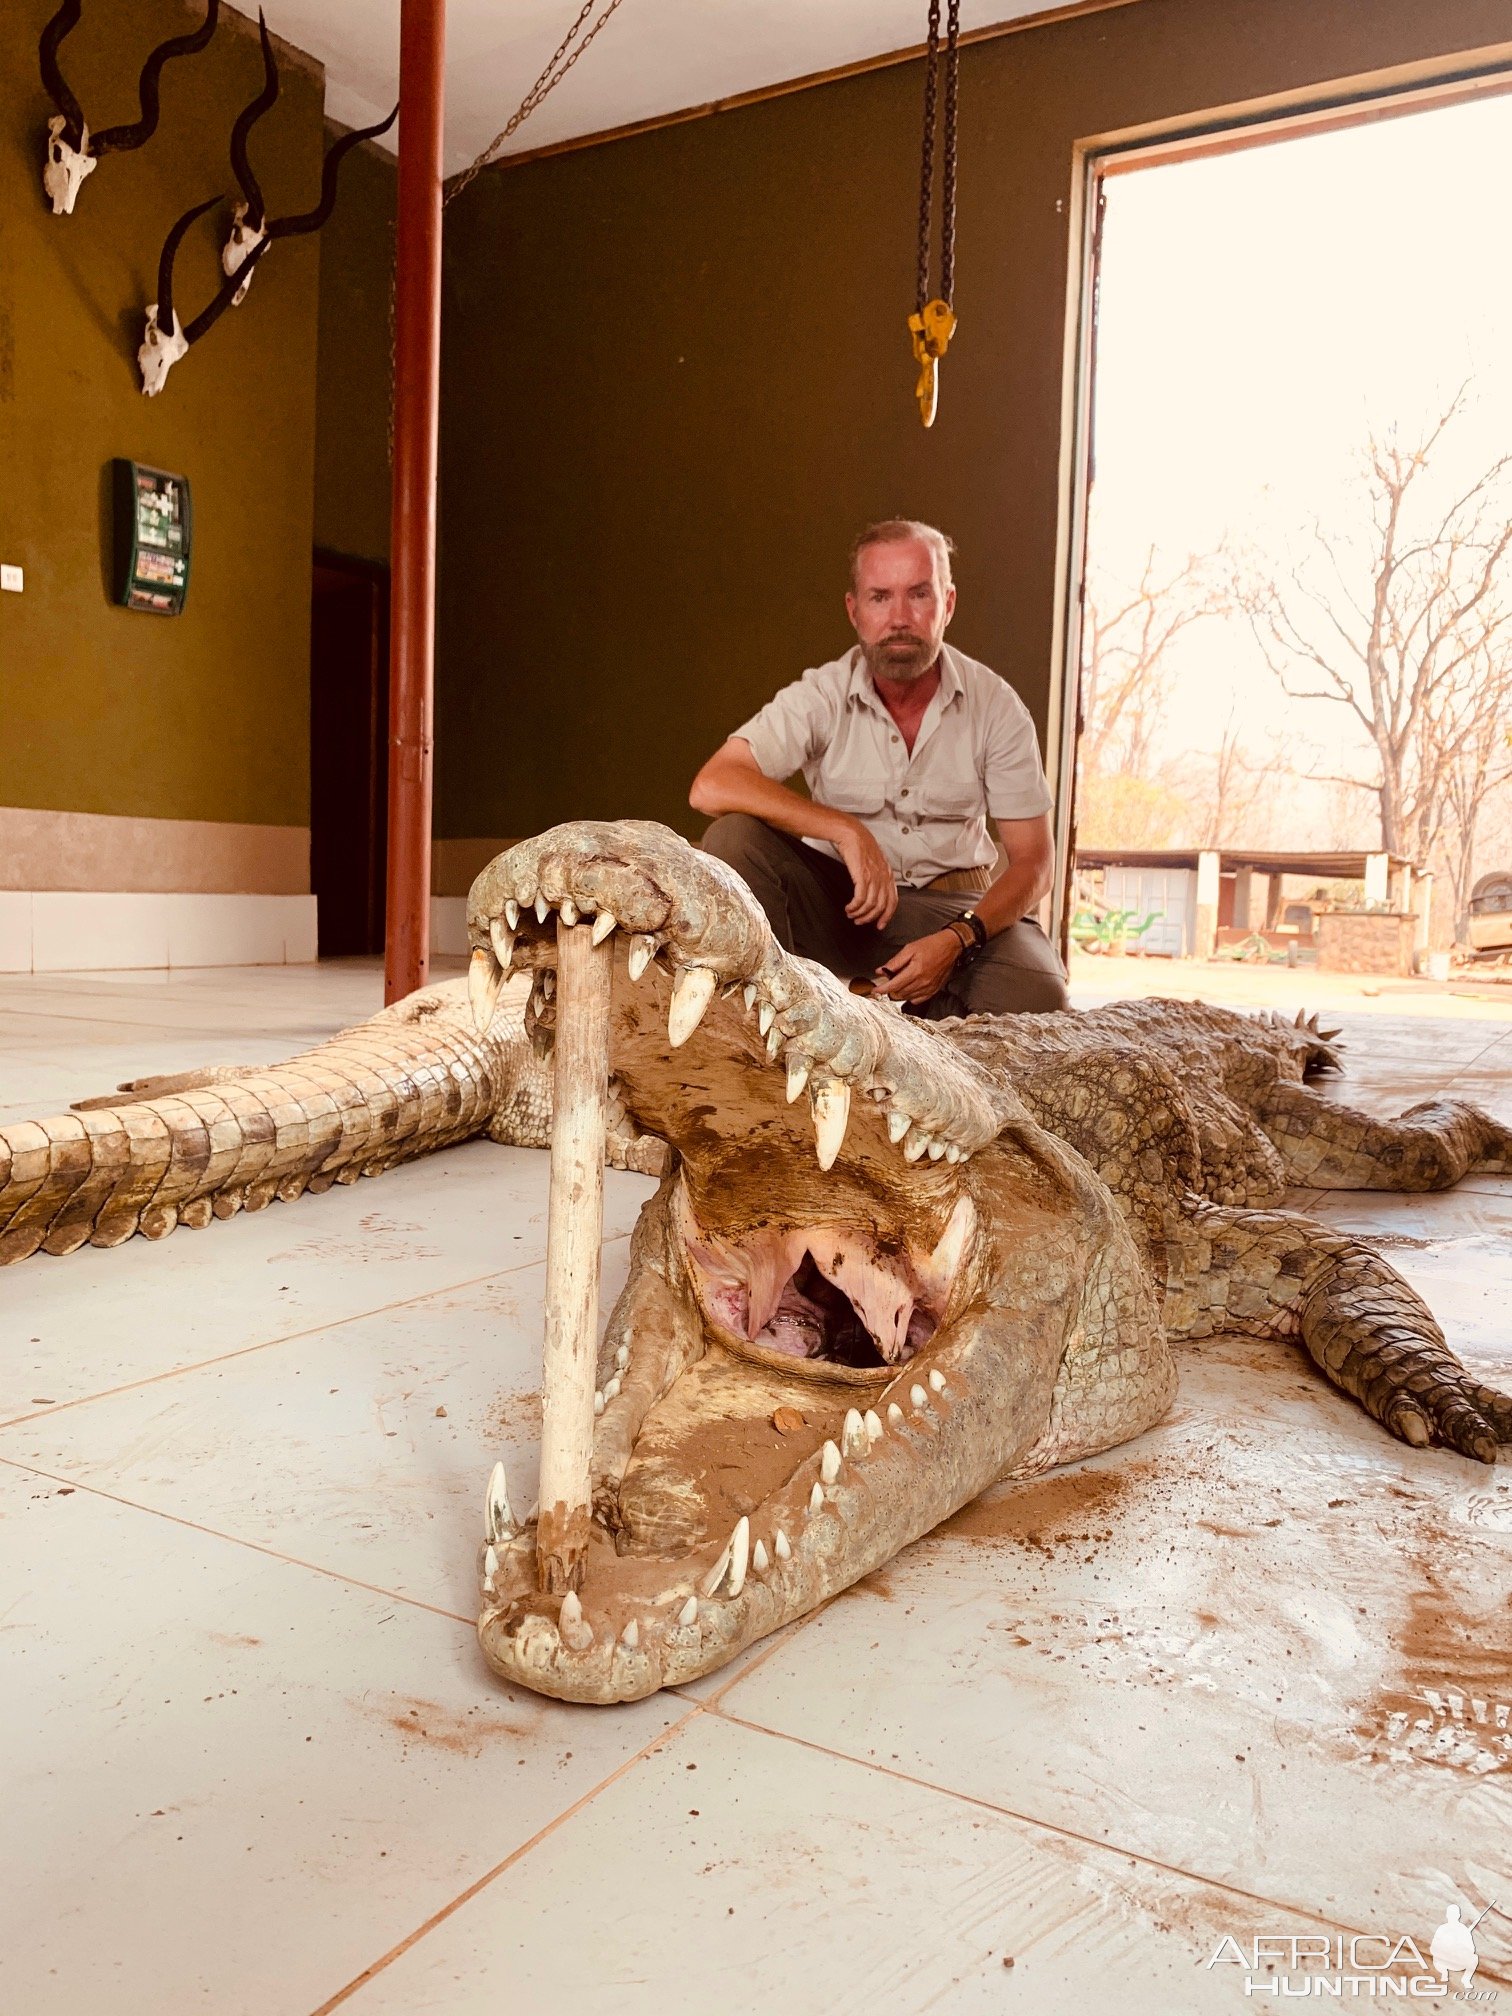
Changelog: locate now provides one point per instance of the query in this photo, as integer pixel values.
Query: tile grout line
(1028, 1820)
(515, 1855)
(234, 1540)
(269, 1343)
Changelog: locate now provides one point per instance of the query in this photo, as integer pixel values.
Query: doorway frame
(1398, 92)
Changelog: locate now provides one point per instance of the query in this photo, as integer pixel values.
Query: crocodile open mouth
(837, 1298)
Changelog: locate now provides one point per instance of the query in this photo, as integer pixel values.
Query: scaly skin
(412, 1079)
(1037, 1190)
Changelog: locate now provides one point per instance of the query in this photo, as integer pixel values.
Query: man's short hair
(890, 531)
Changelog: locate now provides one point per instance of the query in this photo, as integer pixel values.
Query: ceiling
(654, 57)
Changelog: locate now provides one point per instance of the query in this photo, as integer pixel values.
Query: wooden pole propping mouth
(574, 1234)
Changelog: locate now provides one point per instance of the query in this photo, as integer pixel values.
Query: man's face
(899, 609)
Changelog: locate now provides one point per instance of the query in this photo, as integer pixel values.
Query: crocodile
(894, 1263)
(202, 1145)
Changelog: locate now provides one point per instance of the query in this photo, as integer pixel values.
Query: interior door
(348, 752)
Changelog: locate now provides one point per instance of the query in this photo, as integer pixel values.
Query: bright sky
(1260, 310)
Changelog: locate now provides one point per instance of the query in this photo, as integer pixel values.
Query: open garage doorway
(1292, 744)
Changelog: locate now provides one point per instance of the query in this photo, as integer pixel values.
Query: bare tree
(1127, 633)
(1471, 733)
(1400, 620)
(1228, 798)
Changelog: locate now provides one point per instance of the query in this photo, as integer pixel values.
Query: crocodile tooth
(894, 1413)
(642, 952)
(798, 1068)
(577, 1632)
(937, 1380)
(873, 1426)
(816, 1499)
(630, 1636)
(498, 1520)
(604, 926)
(829, 1463)
(542, 909)
(511, 912)
(691, 995)
(766, 1015)
(898, 1125)
(485, 976)
(598, 1403)
(748, 995)
(915, 1145)
(853, 1436)
(918, 1396)
(830, 1103)
(952, 1153)
(760, 1560)
(740, 1554)
(622, 1358)
(780, 1546)
(689, 1611)
(501, 934)
(936, 1150)
(611, 1391)
(774, 1040)
(716, 1574)
(490, 1564)
(568, 911)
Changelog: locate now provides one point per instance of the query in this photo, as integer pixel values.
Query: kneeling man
(908, 748)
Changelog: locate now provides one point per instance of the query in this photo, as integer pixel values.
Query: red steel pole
(417, 401)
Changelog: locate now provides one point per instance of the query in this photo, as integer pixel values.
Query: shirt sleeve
(1012, 773)
(791, 729)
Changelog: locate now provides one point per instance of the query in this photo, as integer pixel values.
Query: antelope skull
(65, 168)
(72, 152)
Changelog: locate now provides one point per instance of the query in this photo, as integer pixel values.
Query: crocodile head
(846, 1304)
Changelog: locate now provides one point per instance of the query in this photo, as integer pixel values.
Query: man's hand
(920, 970)
(876, 895)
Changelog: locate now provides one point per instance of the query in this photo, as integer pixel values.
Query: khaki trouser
(804, 894)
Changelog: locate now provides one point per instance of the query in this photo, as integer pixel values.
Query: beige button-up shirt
(976, 754)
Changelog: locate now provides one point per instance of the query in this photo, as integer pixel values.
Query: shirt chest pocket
(856, 783)
(952, 791)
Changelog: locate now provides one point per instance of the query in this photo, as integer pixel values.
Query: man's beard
(900, 656)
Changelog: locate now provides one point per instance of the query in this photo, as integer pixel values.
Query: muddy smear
(464, 1733)
(1075, 1506)
(378, 1238)
(515, 1415)
(1450, 1703)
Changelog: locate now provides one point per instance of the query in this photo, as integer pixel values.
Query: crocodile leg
(1274, 1274)
(1335, 1147)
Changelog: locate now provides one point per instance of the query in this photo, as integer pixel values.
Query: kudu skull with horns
(252, 232)
(73, 152)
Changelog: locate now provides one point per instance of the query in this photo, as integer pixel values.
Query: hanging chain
(542, 88)
(948, 192)
(933, 321)
(926, 164)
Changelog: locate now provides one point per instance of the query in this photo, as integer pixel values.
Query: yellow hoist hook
(931, 332)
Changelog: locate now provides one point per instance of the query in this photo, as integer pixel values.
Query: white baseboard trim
(448, 933)
(76, 931)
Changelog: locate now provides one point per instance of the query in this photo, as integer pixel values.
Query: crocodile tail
(377, 1095)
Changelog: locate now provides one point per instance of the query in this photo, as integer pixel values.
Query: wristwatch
(971, 931)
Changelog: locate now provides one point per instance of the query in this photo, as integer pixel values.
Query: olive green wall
(203, 716)
(677, 380)
(354, 372)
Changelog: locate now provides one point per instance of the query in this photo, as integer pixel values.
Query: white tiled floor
(1251, 1674)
